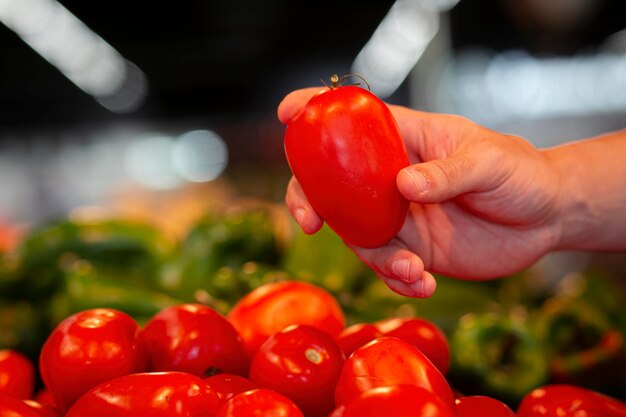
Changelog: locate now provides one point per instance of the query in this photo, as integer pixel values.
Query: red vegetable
(272, 307)
(423, 334)
(303, 363)
(227, 385)
(569, 401)
(88, 348)
(17, 374)
(259, 403)
(357, 335)
(15, 407)
(345, 150)
(481, 406)
(158, 394)
(390, 361)
(196, 339)
(396, 401)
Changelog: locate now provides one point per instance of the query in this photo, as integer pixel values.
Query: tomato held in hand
(303, 363)
(272, 307)
(196, 339)
(259, 403)
(562, 400)
(396, 401)
(154, 394)
(423, 334)
(390, 361)
(17, 374)
(226, 386)
(480, 406)
(88, 348)
(345, 150)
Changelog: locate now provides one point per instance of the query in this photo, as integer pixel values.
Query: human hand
(484, 204)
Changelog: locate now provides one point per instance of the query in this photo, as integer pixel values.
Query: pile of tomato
(283, 350)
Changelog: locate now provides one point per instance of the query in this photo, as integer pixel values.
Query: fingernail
(298, 214)
(420, 182)
(401, 268)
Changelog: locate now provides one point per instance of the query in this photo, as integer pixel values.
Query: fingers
(294, 102)
(401, 269)
(300, 208)
(442, 179)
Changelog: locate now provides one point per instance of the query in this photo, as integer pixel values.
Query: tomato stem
(335, 81)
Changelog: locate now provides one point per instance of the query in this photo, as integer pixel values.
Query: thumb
(294, 102)
(442, 179)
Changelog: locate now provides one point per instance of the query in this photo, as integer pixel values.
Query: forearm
(592, 198)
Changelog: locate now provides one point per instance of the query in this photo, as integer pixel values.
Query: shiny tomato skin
(353, 337)
(259, 403)
(44, 410)
(396, 401)
(563, 400)
(88, 348)
(423, 334)
(303, 363)
(15, 407)
(154, 394)
(480, 406)
(390, 361)
(196, 339)
(17, 374)
(345, 150)
(272, 307)
(226, 386)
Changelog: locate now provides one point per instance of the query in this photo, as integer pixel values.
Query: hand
(484, 204)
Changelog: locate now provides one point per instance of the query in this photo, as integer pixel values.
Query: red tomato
(43, 396)
(481, 406)
(345, 150)
(425, 335)
(88, 348)
(272, 307)
(303, 363)
(259, 403)
(196, 339)
(228, 385)
(355, 336)
(396, 401)
(569, 401)
(153, 394)
(17, 374)
(15, 407)
(44, 410)
(390, 361)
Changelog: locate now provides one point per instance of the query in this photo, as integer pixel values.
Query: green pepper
(228, 240)
(497, 355)
(584, 348)
(133, 249)
(88, 287)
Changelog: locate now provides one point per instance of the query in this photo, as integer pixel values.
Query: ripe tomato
(303, 363)
(345, 150)
(480, 406)
(17, 374)
(44, 410)
(88, 348)
(259, 403)
(196, 339)
(562, 400)
(395, 401)
(425, 335)
(390, 361)
(272, 307)
(154, 394)
(15, 407)
(228, 385)
(355, 336)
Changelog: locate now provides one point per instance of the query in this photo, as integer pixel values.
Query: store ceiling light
(81, 55)
(398, 43)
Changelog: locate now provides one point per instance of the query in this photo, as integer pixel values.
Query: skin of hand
(484, 204)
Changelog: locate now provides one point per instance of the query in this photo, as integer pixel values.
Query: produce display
(115, 317)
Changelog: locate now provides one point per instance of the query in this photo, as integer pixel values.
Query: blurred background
(101, 97)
